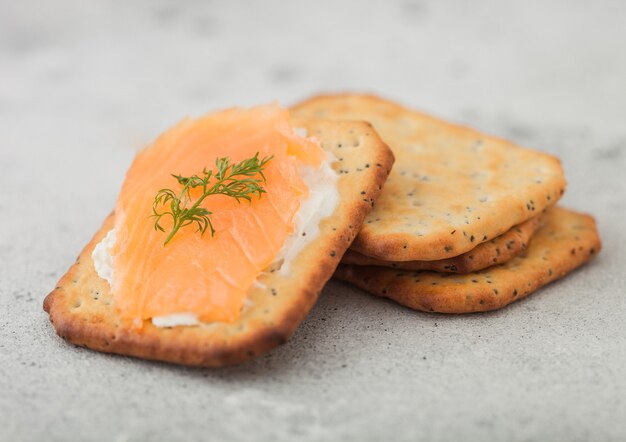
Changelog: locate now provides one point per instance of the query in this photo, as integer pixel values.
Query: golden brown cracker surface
(565, 241)
(82, 310)
(451, 188)
(496, 251)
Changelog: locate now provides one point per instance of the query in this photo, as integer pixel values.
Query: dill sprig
(240, 181)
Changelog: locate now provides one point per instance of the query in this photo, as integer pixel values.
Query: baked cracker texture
(82, 311)
(452, 187)
(565, 241)
(496, 251)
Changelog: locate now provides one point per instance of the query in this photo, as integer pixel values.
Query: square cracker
(496, 251)
(452, 187)
(82, 310)
(565, 241)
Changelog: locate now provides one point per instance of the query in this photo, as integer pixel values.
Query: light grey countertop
(83, 85)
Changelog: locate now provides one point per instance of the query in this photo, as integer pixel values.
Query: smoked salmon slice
(206, 275)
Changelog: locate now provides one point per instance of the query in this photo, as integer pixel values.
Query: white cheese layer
(176, 319)
(102, 259)
(321, 202)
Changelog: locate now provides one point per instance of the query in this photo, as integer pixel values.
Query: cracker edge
(478, 258)
(454, 302)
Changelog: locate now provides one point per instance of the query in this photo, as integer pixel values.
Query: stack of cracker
(466, 222)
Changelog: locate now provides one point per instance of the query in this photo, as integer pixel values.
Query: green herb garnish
(240, 181)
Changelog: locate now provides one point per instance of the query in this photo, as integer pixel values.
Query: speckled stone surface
(83, 85)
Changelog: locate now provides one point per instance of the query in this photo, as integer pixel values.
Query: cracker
(496, 251)
(565, 241)
(452, 187)
(82, 310)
